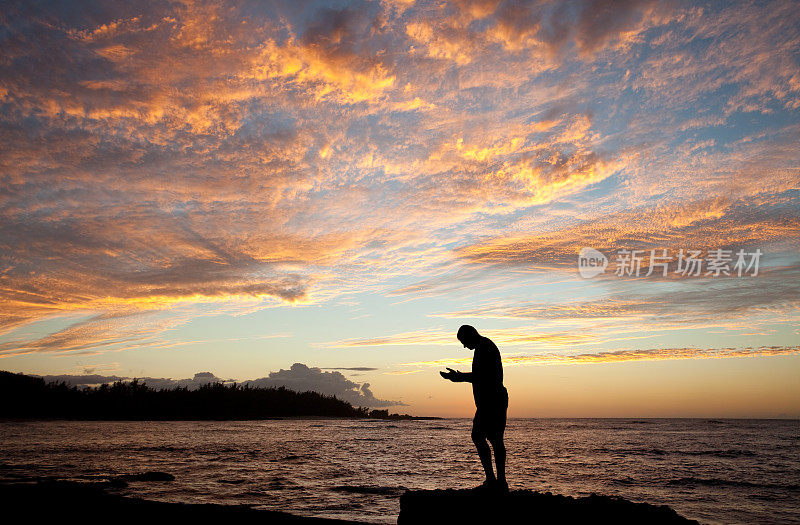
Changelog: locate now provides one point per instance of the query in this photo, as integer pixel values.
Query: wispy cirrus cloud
(703, 302)
(706, 225)
(517, 336)
(618, 356)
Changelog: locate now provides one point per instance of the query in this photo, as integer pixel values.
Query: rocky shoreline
(526, 506)
(94, 498)
(90, 501)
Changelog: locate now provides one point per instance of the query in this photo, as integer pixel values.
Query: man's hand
(452, 375)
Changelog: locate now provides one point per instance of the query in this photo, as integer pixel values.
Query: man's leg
(499, 456)
(479, 438)
(495, 436)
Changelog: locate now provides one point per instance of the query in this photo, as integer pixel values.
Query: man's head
(468, 336)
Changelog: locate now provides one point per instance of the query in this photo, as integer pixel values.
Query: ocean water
(715, 471)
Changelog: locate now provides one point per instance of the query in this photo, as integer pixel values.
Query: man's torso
(487, 376)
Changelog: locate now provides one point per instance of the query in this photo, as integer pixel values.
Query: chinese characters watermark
(662, 262)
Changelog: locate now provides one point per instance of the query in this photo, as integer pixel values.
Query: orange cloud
(708, 224)
(195, 152)
(329, 75)
(447, 338)
(618, 356)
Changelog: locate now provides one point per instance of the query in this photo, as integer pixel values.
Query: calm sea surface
(726, 471)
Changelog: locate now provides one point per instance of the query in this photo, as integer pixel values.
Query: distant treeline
(30, 397)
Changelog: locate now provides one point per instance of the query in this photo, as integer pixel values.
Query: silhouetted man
(491, 402)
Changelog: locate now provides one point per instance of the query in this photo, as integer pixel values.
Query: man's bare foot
(493, 485)
(487, 485)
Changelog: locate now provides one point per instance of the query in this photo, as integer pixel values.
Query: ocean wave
(631, 451)
(722, 453)
(730, 453)
(625, 481)
(279, 482)
(232, 481)
(717, 482)
(299, 458)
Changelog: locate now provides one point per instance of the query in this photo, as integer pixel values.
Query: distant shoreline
(419, 418)
(36, 399)
(284, 418)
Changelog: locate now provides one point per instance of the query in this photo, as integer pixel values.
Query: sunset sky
(236, 187)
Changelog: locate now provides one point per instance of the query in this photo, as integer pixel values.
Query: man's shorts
(490, 417)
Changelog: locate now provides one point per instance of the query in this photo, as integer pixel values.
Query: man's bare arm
(457, 377)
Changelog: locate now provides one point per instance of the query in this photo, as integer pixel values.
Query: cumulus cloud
(303, 378)
(82, 380)
(352, 368)
(199, 379)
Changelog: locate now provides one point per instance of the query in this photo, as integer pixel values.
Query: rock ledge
(453, 506)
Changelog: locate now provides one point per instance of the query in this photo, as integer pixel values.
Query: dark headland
(131, 400)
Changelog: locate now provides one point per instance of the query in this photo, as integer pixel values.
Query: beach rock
(525, 506)
(148, 476)
(117, 483)
(60, 501)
